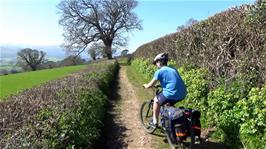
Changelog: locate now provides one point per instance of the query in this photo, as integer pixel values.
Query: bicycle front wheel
(146, 112)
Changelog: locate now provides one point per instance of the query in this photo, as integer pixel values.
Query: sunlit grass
(13, 83)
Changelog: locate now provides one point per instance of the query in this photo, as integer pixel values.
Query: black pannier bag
(196, 120)
(177, 123)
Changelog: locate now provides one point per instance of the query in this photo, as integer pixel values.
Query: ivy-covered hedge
(236, 109)
(66, 113)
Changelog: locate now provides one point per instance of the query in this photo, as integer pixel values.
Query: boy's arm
(150, 84)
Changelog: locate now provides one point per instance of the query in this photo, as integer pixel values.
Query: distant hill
(8, 53)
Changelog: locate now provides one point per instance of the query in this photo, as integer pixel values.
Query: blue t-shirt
(171, 82)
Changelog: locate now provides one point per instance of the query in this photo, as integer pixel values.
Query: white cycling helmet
(161, 57)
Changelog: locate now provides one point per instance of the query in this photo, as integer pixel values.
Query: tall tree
(88, 21)
(30, 58)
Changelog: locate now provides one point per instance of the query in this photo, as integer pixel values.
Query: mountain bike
(185, 139)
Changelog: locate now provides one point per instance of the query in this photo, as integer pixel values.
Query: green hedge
(69, 115)
(81, 125)
(222, 60)
(236, 108)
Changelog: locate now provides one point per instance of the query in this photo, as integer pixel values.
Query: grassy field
(13, 83)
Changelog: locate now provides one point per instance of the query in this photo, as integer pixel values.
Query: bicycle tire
(146, 112)
(170, 139)
(192, 137)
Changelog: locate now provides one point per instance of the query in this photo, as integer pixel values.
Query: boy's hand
(145, 85)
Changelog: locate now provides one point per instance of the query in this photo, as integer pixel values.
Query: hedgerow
(236, 108)
(66, 113)
(222, 60)
(228, 43)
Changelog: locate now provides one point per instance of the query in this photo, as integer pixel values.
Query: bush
(79, 126)
(251, 113)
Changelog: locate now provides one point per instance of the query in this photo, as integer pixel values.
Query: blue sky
(35, 22)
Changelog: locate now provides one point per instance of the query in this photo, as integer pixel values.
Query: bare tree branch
(88, 21)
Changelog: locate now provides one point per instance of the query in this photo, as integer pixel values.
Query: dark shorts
(163, 100)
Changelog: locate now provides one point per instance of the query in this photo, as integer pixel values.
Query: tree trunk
(33, 67)
(108, 51)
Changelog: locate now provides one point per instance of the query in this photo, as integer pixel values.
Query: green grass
(13, 83)
(123, 61)
(137, 81)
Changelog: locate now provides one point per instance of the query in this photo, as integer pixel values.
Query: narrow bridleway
(123, 128)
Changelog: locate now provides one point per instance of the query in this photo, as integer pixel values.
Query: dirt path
(123, 128)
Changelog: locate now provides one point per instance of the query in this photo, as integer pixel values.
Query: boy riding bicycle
(173, 86)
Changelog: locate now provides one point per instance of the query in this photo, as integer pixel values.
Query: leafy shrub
(233, 106)
(79, 126)
(144, 67)
(252, 115)
(197, 87)
(224, 97)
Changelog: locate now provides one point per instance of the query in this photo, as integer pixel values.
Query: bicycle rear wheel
(170, 139)
(171, 136)
(192, 137)
(190, 141)
(146, 112)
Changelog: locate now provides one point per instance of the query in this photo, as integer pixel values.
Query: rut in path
(123, 128)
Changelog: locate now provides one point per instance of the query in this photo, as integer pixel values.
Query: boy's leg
(156, 110)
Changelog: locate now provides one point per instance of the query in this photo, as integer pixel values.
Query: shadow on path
(113, 129)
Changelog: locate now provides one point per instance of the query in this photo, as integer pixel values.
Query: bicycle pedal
(197, 140)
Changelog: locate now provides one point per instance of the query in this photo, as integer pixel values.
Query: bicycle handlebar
(157, 86)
